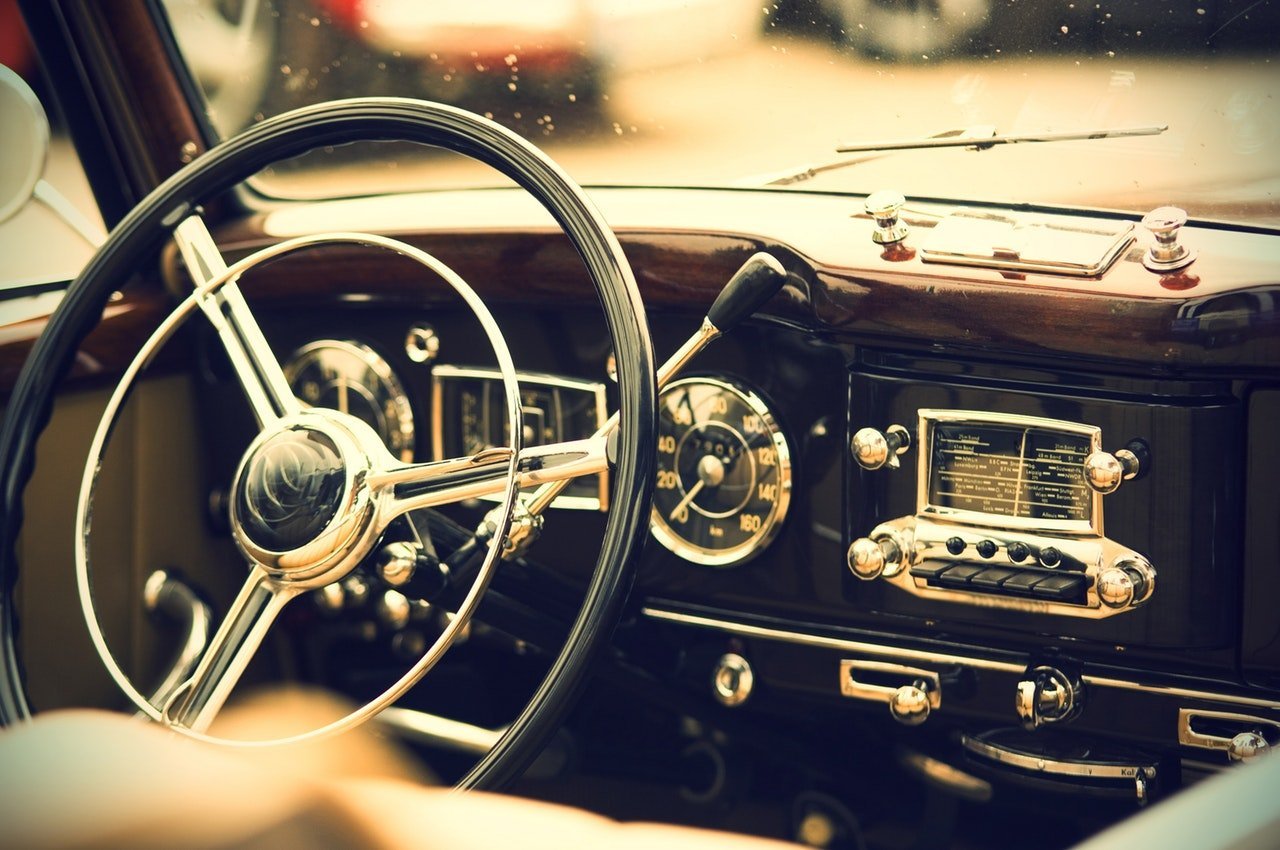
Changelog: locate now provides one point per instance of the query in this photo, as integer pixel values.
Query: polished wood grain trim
(126, 322)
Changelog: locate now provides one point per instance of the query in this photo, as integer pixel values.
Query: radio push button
(992, 578)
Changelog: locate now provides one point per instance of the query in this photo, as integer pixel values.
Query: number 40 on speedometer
(724, 473)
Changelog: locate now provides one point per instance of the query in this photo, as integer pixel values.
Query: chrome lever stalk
(165, 593)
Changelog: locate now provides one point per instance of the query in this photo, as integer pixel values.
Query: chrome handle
(1248, 741)
(909, 703)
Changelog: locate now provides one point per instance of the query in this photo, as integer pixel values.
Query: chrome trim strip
(881, 651)
(1039, 764)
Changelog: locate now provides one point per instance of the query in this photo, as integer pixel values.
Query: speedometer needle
(688, 497)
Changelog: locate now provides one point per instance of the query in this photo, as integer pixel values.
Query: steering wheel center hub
(299, 502)
(292, 488)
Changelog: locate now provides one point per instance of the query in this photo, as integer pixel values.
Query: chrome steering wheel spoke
(255, 366)
(196, 702)
(428, 485)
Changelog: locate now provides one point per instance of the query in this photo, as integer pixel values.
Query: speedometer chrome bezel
(391, 388)
(772, 524)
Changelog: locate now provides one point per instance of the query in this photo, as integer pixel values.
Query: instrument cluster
(724, 464)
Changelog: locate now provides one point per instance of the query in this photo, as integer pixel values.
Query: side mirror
(24, 138)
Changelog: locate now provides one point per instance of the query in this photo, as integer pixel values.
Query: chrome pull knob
(1047, 695)
(883, 206)
(873, 449)
(871, 558)
(1166, 253)
(909, 704)
(1127, 582)
(1105, 472)
(1247, 746)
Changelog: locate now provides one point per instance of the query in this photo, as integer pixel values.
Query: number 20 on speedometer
(724, 473)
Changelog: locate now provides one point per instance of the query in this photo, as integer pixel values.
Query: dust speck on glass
(742, 93)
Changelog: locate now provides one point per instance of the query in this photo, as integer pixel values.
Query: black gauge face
(352, 378)
(724, 473)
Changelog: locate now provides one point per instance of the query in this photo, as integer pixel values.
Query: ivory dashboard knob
(1166, 253)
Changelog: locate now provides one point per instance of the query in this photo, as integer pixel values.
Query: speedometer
(724, 472)
(354, 379)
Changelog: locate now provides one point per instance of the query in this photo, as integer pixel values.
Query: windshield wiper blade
(982, 141)
(975, 138)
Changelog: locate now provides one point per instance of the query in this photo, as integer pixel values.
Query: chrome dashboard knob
(883, 206)
(732, 680)
(869, 559)
(1047, 695)
(1166, 254)
(1105, 472)
(873, 449)
(1129, 581)
(1247, 746)
(909, 704)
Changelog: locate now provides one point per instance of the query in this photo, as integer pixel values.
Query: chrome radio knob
(1105, 472)
(909, 704)
(869, 559)
(873, 449)
(1128, 581)
(1166, 254)
(883, 206)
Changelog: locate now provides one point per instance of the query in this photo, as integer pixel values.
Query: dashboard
(1017, 521)
(888, 492)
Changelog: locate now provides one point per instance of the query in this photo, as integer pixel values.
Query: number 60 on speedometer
(724, 472)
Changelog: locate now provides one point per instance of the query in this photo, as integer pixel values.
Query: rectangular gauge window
(469, 415)
(1015, 471)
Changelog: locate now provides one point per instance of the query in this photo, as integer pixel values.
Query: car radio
(1008, 515)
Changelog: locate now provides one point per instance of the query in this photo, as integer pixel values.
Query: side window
(49, 221)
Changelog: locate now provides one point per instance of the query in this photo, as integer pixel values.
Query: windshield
(737, 93)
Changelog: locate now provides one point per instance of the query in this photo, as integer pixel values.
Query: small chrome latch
(884, 206)
(909, 704)
(1242, 737)
(1166, 254)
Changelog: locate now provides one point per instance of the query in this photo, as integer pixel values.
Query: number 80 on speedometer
(724, 473)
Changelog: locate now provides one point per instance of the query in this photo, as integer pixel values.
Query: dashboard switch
(732, 680)
(1105, 472)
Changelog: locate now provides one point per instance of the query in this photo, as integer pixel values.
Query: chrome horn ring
(361, 511)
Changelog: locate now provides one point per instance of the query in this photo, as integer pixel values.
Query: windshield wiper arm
(982, 141)
(975, 138)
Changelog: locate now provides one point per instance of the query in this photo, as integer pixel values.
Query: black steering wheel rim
(134, 242)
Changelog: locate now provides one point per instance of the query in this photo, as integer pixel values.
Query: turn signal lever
(758, 280)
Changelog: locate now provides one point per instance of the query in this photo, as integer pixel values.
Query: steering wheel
(316, 488)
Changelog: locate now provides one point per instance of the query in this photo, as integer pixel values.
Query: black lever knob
(759, 279)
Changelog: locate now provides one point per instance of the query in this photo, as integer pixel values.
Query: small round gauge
(352, 378)
(724, 472)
